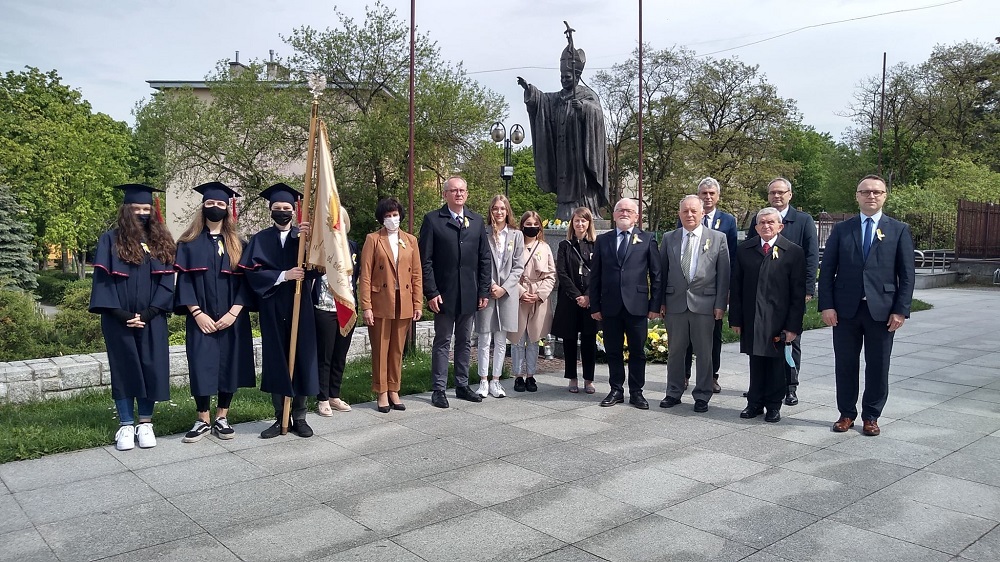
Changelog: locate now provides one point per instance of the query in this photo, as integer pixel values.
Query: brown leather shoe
(843, 424)
(871, 428)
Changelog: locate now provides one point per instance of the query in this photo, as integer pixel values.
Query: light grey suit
(500, 315)
(690, 304)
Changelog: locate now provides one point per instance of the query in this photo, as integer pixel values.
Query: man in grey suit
(800, 228)
(695, 260)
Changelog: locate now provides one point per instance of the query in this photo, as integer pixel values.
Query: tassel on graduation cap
(298, 212)
(232, 205)
(159, 215)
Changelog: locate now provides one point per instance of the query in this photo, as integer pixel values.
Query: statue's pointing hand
(522, 83)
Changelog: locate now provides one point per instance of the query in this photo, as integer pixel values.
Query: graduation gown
(221, 361)
(263, 261)
(139, 358)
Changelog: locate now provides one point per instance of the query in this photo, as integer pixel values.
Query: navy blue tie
(622, 247)
(866, 244)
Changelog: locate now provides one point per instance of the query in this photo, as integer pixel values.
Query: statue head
(570, 61)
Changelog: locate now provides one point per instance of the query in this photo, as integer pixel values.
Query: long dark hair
(234, 244)
(131, 235)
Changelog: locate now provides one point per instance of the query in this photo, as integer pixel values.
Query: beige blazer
(539, 277)
(380, 274)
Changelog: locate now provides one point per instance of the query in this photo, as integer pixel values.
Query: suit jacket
(800, 228)
(709, 288)
(886, 276)
(500, 315)
(455, 260)
(634, 285)
(725, 223)
(380, 275)
(767, 295)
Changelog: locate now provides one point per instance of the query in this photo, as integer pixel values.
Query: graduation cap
(281, 192)
(138, 193)
(216, 190)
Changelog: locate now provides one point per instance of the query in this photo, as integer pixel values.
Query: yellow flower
(635, 239)
(466, 222)
(774, 253)
(708, 243)
(653, 336)
(558, 222)
(878, 232)
(717, 223)
(545, 223)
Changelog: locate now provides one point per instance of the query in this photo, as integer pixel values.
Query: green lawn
(41, 428)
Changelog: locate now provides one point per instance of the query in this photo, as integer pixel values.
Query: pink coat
(539, 277)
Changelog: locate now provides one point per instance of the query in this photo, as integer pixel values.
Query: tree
(369, 125)
(61, 160)
(249, 133)
(17, 270)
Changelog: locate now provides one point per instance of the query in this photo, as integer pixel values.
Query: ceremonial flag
(328, 247)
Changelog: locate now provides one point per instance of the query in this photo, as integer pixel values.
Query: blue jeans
(126, 409)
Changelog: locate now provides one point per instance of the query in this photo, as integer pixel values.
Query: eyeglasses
(626, 211)
(779, 193)
(456, 191)
(870, 193)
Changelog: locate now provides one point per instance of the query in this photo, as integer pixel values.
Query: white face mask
(391, 223)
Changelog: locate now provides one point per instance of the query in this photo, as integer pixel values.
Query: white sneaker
(484, 388)
(125, 438)
(147, 439)
(496, 389)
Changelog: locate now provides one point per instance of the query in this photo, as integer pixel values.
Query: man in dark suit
(766, 305)
(714, 219)
(865, 289)
(456, 263)
(695, 264)
(624, 294)
(800, 228)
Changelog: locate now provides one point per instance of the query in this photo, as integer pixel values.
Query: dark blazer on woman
(573, 261)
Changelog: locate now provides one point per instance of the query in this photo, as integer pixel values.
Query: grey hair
(695, 197)
(710, 181)
(779, 178)
(627, 199)
(768, 211)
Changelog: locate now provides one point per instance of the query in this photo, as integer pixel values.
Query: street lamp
(499, 134)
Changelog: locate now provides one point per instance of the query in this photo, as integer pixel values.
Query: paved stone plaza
(552, 476)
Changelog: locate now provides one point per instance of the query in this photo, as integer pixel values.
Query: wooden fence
(977, 233)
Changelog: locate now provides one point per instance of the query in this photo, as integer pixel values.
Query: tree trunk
(65, 260)
(81, 262)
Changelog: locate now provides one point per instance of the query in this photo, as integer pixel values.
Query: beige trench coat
(539, 277)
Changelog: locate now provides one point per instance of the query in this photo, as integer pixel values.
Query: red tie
(767, 248)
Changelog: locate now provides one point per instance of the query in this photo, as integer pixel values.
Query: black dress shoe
(530, 385)
(519, 384)
(700, 405)
(466, 393)
(790, 398)
(438, 399)
(636, 399)
(773, 415)
(751, 412)
(613, 397)
(271, 432)
(669, 402)
(301, 428)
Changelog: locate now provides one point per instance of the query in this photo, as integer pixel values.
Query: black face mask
(531, 231)
(214, 214)
(143, 219)
(281, 218)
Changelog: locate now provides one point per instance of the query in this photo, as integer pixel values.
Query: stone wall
(61, 377)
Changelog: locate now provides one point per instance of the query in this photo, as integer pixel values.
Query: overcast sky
(108, 50)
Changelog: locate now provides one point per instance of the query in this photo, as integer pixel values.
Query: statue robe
(570, 147)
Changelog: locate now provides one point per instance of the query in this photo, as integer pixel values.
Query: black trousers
(588, 354)
(767, 382)
(616, 329)
(202, 403)
(298, 409)
(716, 353)
(849, 336)
(332, 348)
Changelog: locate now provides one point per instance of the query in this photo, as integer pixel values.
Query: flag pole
(316, 85)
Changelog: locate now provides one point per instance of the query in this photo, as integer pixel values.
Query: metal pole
(881, 118)
(411, 340)
(640, 113)
(506, 162)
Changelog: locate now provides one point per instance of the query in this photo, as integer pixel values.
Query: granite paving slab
(654, 538)
(498, 538)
